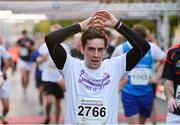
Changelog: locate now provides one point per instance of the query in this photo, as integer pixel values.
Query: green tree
(44, 25)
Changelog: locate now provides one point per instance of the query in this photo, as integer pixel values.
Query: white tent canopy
(82, 9)
(74, 9)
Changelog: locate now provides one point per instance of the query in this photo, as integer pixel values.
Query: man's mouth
(94, 61)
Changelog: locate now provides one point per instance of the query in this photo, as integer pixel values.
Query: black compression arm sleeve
(53, 40)
(140, 46)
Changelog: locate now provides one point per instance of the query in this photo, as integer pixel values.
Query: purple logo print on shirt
(94, 84)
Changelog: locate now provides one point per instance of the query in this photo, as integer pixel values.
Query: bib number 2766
(94, 111)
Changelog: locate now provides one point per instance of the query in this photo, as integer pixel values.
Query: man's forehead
(95, 43)
(95, 47)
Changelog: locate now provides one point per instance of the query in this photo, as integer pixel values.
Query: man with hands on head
(92, 84)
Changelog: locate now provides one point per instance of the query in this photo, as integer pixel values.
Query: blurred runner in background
(5, 63)
(25, 45)
(51, 78)
(38, 74)
(137, 95)
(171, 74)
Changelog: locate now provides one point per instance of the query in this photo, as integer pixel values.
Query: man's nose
(96, 54)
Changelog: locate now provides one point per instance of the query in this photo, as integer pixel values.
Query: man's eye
(91, 49)
(101, 49)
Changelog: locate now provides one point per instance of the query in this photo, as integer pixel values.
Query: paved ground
(22, 111)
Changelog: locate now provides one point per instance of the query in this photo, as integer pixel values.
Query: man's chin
(95, 66)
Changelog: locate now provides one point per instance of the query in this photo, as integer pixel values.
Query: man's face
(94, 53)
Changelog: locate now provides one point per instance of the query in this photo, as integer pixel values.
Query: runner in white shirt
(92, 84)
(50, 77)
(52, 80)
(5, 62)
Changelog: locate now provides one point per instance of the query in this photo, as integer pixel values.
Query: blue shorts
(137, 104)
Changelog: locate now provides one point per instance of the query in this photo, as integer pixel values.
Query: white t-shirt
(4, 90)
(49, 71)
(4, 54)
(92, 95)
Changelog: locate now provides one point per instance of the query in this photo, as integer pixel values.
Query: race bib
(91, 111)
(140, 76)
(23, 51)
(178, 94)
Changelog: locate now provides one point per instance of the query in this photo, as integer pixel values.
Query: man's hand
(85, 24)
(61, 84)
(122, 83)
(104, 19)
(100, 19)
(172, 105)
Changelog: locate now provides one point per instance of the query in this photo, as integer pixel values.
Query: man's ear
(81, 49)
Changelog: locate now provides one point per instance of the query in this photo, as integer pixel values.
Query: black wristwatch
(118, 24)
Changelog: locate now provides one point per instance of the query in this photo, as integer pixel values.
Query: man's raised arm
(140, 45)
(53, 40)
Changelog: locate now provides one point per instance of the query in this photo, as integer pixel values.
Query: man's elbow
(46, 38)
(146, 48)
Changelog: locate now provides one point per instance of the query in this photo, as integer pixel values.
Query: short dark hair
(24, 32)
(92, 33)
(140, 29)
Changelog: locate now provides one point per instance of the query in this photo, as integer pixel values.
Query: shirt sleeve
(5, 53)
(120, 63)
(168, 71)
(118, 51)
(139, 46)
(43, 50)
(154, 50)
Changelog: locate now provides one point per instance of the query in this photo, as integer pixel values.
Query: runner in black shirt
(171, 73)
(25, 45)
